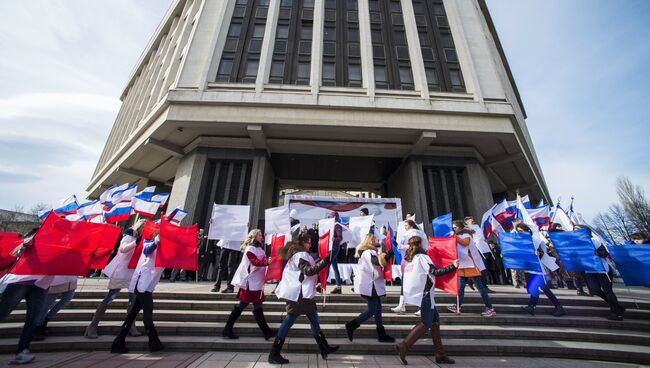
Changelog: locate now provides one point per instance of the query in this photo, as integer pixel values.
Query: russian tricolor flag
(161, 198)
(124, 194)
(106, 196)
(67, 206)
(90, 210)
(146, 193)
(145, 207)
(119, 212)
(176, 216)
(42, 215)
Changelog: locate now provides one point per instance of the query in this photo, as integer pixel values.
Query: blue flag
(442, 226)
(519, 252)
(633, 263)
(576, 250)
(397, 256)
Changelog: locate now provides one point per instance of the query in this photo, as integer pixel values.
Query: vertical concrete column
(365, 37)
(266, 54)
(407, 183)
(415, 51)
(260, 194)
(317, 47)
(187, 184)
(225, 14)
(480, 191)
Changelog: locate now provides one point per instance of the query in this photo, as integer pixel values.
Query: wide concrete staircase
(190, 318)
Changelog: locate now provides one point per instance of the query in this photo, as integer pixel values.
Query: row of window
(291, 60)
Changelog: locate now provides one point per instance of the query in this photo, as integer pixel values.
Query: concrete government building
(234, 101)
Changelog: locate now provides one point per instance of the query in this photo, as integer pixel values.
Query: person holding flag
(371, 285)
(419, 282)
(249, 278)
(411, 229)
(470, 267)
(119, 276)
(143, 282)
(298, 288)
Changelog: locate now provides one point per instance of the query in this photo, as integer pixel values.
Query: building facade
(234, 101)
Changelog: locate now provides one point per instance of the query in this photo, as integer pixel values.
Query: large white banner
(229, 222)
(359, 227)
(276, 221)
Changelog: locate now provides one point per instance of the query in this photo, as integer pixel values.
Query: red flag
(60, 247)
(105, 248)
(178, 246)
(443, 252)
(8, 242)
(147, 230)
(388, 268)
(274, 270)
(323, 250)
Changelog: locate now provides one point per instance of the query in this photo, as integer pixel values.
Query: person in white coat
(470, 265)
(143, 282)
(410, 230)
(119, 276)
(249, 278)
(371, 285)
(298, 288)
(419, 283)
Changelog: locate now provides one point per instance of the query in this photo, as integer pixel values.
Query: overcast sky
(582, 68)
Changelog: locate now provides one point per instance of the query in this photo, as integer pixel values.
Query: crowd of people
(244, 267)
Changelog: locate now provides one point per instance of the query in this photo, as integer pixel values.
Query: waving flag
(144, 207)
(119, 212)
(633, 263)
(67, 206)
(176, 216)
(42, 215)
(323, 250)
(274, 270)
(74, 217)
(540, 216)
(541, 203)
(442, 225)
(576, 250)
(89, 210)
(390, 239)
(124, 194)
(105, 248)
(505, 213)
(105, 197)
(526, 200)
(443, 252)
(146, 193)
(147, 232)
(161, 198)
(178, 245)
(560, 217)
(8, 242)
(485, 221)
(519, 252)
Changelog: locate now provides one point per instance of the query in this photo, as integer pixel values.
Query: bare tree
(38, 207)
(615, 223)
(634, 203)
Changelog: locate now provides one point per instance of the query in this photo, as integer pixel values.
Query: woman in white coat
(119, 276)
(371, 285)
(143, 283)
(410, 230)
(249, 278)
(419, 282)
(470, 265)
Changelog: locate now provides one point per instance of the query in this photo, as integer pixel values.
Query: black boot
(154, 341)
(323, 346)
(227, 331)
(119, 344)
(350, 327)
(261, 321)
(382, 336)
(274, 355)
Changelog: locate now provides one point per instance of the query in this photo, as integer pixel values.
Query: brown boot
(413, 336)
(439, 350)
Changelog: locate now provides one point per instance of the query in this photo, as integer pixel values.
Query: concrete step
(367, 330)
(455, 347)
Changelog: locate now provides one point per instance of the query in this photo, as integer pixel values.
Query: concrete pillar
(415, 51)
(407, 183)
(479, 190)
(187, 184)
(260, 195)
(367, 62)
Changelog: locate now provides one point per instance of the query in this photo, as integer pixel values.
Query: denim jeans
(290, 319)
(374, 309)
(428, 315)
(479, 285)
(534, 298)
(112, 293)
(51, 307)
(334, 261)
(34, 297)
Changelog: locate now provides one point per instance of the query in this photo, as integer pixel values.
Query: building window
(293, 43)
(241, 53)
(438, 50)
(390, 48)
(341, 47)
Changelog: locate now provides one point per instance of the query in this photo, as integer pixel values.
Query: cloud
(47, 105)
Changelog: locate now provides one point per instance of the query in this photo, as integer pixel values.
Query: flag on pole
(178, 246)
(443, 252)
(633, 263)
(176, 215)
(60, 247)
(540, 216)
(442, 225)
(576, 250)
(8, 242)
(274, 270)
(105, 248)
(105, 197)
(119, 212)
(144, 207)
(541, 203)
(388, 268)
(505, 212)
(147, 231)
(390, 239)
(67, 206)
(161, 198)
(526, 201)
(74, 217)
(124, 194)
(560, 217)
(519, 252)
(323, 251)
(146, 193)
(90, 210)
